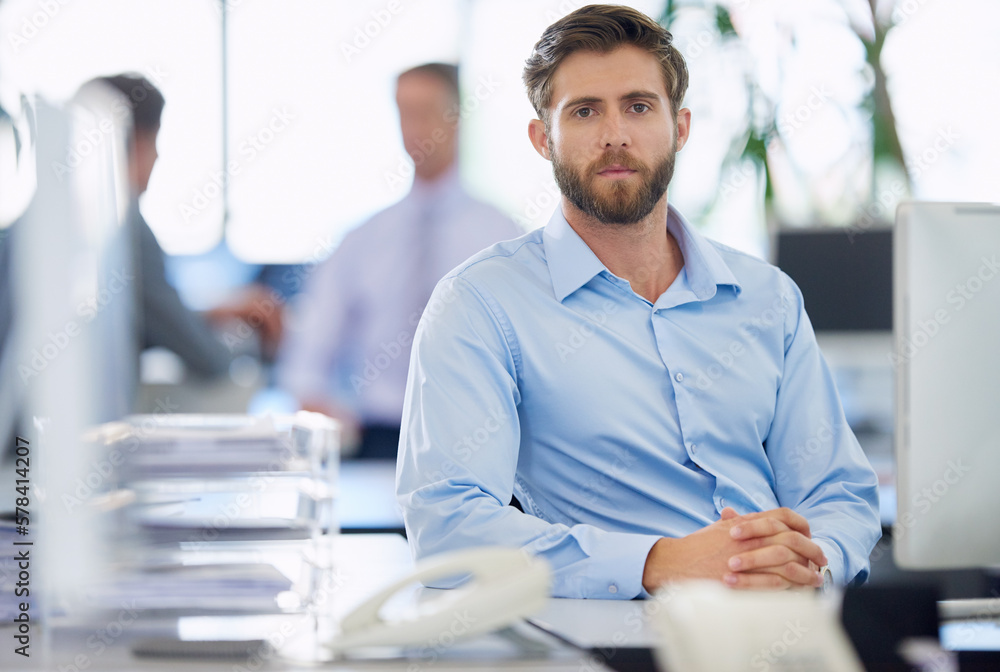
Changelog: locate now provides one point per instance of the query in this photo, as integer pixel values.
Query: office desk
(364, 563)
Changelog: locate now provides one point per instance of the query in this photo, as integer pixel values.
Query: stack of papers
(254, 587)
(159, 449)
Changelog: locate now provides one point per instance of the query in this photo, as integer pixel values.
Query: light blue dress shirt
(615, 421)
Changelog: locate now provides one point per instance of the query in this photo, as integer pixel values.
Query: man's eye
(640, 107)
(584, 112)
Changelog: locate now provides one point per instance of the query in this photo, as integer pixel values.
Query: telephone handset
(506, 585)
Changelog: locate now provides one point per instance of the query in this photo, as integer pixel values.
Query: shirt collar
(572, 264)
(443, 185)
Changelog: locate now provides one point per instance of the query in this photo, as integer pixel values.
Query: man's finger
(784, 515)
(804, 547)
(759, 527)
(792, 572)
(763, 558)
(760, 581)
(728, 513)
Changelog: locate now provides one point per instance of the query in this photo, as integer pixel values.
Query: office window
(313, 128)
(52, 48)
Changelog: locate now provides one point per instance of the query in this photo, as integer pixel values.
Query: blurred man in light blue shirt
(347, 353)
(653, 401)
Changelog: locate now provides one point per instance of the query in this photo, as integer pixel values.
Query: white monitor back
(947, 360)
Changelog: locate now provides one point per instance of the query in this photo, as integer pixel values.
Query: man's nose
(614, 131)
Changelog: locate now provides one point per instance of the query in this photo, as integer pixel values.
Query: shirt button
(694, 448)
(678, 377)
(612, 589)
(722, 502)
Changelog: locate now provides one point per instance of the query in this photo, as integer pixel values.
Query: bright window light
(177, 46)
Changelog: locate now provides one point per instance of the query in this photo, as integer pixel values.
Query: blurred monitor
(845, 276)
(947, 365)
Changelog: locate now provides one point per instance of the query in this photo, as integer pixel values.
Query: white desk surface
(364, 563)
(605, 624)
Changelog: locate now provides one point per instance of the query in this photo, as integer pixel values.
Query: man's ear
(683, 127)
(539, 138)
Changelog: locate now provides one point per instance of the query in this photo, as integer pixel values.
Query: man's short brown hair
(446, 72)
(602, 28)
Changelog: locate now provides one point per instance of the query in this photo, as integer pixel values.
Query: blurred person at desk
(348, 353)
(615, 393)
(164, 320)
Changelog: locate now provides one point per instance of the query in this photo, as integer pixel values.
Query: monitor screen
(845, 276)
(947, 370)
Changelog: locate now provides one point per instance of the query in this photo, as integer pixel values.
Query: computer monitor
(845, 276)
(947, 371)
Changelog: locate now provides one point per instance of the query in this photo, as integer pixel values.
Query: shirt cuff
(617, 570)
(835, 561)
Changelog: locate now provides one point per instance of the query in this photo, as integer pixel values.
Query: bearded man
(614, 392)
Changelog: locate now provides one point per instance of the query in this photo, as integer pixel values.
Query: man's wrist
(655, 572)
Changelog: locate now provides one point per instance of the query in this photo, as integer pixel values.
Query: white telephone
(506, 585)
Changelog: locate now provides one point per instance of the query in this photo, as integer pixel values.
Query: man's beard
(626, 203)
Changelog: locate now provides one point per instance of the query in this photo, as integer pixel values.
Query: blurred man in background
(349, 355)
(164, 321)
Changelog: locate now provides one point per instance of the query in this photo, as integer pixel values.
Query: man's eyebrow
(631, 95)
(583, 100)
(640, 94)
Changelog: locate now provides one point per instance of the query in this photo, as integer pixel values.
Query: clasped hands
(764, 550)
